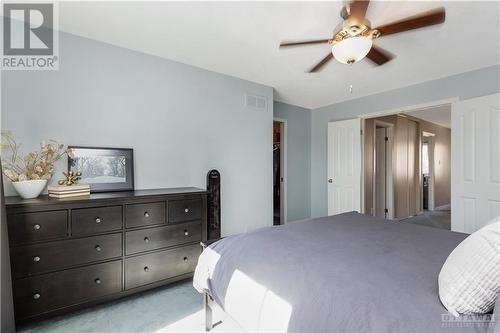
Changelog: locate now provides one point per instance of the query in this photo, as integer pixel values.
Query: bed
(342, 273)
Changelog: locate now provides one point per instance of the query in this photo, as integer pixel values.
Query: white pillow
(469, 281)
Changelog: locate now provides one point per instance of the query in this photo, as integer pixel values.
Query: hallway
(436, 219)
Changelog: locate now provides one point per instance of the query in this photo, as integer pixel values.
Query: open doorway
(456, 134)
(279, 171)
(420, 162)
(435, 166)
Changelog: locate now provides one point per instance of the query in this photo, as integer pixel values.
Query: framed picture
(104, 169)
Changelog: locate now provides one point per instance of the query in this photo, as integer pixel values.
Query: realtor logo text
(30, 40)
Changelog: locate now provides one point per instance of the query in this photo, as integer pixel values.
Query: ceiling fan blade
(322, 63)
(379, 55)
(432, 17)
(306, 42)
(358, 9)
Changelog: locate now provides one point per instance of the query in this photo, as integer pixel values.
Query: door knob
(330, 180)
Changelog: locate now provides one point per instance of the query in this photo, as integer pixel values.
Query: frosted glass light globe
(352, 49)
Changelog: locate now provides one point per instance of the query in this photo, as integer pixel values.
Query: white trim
(405, 109)
(283, 169)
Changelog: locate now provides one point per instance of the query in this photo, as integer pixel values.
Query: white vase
(29, 189)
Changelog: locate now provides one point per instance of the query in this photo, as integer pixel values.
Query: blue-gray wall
(184, 120)
(467, 85)
(298, 159)
(181, 121)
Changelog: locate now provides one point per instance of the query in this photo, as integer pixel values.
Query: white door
(475, 156)
(344, 166)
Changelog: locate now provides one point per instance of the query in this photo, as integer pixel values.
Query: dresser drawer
(184, 210)
(138, 215)
(88, 221)
(47, 292)
(37, 226)
(155, 238)
(40, 258)
(162, 265)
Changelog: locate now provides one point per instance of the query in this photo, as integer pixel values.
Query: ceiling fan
(353, 38)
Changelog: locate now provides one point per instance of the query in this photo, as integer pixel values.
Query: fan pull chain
(350, 66)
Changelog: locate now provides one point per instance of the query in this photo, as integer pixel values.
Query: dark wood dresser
(71, 253)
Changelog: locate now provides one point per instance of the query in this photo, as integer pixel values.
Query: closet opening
(279, 171)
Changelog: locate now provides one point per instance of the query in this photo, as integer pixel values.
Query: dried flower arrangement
(35, 165)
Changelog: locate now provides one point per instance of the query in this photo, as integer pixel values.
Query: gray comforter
(343, 273)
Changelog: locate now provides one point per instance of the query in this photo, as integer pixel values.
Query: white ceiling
(440, 115)
(241, 39)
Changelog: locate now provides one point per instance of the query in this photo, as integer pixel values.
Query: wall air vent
(255, 102)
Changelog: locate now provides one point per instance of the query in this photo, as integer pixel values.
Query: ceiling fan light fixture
(351, 50)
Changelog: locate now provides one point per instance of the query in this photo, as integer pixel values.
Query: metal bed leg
(208, 313)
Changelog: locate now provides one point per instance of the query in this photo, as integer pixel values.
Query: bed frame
(208, 306)
(208, 303)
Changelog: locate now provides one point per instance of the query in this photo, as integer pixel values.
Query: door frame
(389, 164)
(283, 169)
(389, 112)
(430, 153)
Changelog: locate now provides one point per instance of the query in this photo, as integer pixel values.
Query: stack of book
(64, 191)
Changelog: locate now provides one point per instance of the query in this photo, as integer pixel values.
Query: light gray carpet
(176, 308)
(437, 219)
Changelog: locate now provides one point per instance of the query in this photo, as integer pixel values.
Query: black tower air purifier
(213, 204)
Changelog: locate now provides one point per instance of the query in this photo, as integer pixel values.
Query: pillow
(469, 281)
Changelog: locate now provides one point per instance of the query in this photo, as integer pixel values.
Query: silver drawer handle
(37, 226)
(146, 214)
(97, 281)
(98, 220)
(36, 296)
(98, 248)
(36, 259)
(186, 210)
(146, 269)
(185, 259)
(146, 239)
(186, 233)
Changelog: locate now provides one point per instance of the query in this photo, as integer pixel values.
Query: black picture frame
(94, 154)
